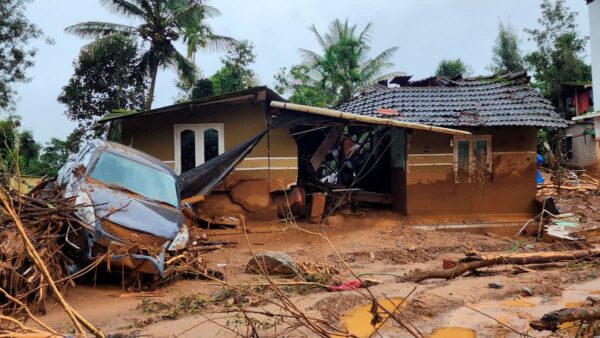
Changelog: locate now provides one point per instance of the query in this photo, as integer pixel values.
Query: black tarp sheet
(202, 179)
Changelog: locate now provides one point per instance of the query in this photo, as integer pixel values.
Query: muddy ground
(377, 244)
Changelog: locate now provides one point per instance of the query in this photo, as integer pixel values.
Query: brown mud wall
(431, 186)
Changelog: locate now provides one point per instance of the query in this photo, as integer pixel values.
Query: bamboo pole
(365, 119)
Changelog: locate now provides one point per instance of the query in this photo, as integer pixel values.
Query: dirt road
(377, 245)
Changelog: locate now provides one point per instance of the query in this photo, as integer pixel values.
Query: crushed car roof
(134, 154)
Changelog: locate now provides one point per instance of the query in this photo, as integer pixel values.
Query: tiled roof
(479, 101)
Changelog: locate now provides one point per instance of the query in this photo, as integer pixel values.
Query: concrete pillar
(594, 16)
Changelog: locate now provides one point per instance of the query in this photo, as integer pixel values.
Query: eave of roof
(117, 115)
(481, 101)
(586, 116)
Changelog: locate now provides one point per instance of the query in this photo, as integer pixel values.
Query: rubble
(273, 263)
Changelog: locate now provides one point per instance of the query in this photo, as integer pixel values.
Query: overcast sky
(425, 30)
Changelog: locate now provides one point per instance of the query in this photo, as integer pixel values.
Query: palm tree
(344, 67)
(162, 22)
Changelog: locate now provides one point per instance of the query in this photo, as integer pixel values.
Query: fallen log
(473, 262)
(551, 321)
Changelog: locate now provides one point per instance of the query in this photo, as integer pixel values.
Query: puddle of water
(518, 303)
(574, 304)
(518, 312)
(358, 320)
(453, 332)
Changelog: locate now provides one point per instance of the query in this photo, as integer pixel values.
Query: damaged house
(188, 134)
(445, 149)
(486, 176)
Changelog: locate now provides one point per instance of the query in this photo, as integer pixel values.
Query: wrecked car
(130, 202)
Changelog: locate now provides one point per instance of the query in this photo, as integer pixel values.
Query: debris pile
(571, 183)
(46, 216)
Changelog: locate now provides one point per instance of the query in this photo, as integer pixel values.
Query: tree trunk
(551, 321)
(153, 73)
(470, 263)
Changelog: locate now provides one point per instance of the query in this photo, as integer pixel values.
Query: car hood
(133, 211)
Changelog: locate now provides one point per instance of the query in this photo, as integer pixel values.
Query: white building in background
(594, 17)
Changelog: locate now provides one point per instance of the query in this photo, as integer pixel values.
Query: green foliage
(16, 32)
(339, 71)
(451, 68)
(235, 75)
(558, 58)
(506, 56)
(202, 88)
(54, 155)
(162, 24)
(19, 146)
(105, 80)
(302, 89)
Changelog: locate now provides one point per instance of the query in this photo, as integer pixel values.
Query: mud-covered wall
(154, 134)
(511, 189)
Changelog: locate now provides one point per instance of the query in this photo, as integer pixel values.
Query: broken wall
(432, 187)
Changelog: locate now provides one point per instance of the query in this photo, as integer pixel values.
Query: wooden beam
(365, 119)
(325, 146)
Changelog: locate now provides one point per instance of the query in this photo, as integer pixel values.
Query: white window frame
(198, 130)
(472, 139)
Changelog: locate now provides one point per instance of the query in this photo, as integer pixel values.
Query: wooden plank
(317, 207)
(325, 146)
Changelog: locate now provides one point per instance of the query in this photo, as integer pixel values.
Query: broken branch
(471, 263)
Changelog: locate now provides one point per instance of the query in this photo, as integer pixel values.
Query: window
(137, 177)
(568, 147)
(188, 150)
(211, 144)
(472, 159)
(196, 144)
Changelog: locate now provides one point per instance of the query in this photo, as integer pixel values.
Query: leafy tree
(16, 32)
(19, 146)
(303, 89)
(103, 81)
(558, 58)
(506, 56)
(163, 23)
(341, 69)
(235, 75)
(451, 68)
(54, 155)
(202, 88)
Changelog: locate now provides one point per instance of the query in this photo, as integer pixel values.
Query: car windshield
(137, 177)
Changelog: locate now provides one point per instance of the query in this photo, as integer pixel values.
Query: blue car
(130, 204)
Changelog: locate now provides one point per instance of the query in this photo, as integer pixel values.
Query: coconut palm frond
(377, 65)
(124, 7)
(186, 69)
(309, 57)
(218, 43)
(365, 35)
(318, 36)
(96, 29)
(97, 48)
